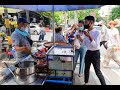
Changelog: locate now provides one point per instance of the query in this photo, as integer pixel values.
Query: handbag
(77, 44)
(29, 40)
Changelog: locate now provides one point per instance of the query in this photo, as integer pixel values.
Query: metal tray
(60, 50)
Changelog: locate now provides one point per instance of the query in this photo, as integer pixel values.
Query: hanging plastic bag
(77, 44)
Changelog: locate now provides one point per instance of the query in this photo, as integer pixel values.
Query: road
(47, 36)
(112, 75)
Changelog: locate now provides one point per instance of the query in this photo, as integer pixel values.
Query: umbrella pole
(53, 25)
(28, 19)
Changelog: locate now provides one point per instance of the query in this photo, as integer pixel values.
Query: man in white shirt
(92, 41)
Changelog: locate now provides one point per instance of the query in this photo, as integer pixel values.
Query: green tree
(57, 16)
(115, 13)
(83, 13)
(48, 14)
(70, 15)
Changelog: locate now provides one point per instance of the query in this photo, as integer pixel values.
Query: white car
(34, 29)
(98, 28)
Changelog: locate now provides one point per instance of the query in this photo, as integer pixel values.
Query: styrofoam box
(59, 65)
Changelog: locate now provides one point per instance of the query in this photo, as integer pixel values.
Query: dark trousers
(103, 42)
(94, 58)
(41, 37)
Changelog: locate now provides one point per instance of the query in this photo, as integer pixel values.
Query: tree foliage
(83, 13)
(70, 15)
(115, 13)
(58, 15)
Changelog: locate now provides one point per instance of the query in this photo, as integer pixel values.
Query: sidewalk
(111, 75)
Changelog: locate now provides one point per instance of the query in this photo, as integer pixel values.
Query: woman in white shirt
(104, 34)
(82, 50)
(113, 45)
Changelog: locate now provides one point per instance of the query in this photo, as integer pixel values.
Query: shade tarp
(50, 7)
(10, 10)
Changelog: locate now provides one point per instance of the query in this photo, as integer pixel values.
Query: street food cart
(61, 62)
(60, 58)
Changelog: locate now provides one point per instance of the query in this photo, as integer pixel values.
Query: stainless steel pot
(26, 74)
(26, 80)
(25, 68)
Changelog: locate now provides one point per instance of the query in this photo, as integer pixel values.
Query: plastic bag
(77, 44)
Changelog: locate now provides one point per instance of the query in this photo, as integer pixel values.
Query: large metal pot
(26, 80)
(25, 68)
(25, 72)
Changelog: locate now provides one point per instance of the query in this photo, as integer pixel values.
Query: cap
(22, 19)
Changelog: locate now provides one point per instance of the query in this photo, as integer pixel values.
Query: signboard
(7, 23)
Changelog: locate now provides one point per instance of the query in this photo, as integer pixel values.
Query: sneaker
(80, 75)
(105, 66)
(86, 84)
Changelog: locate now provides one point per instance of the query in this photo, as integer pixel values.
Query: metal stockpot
(26, 80)
(25, 68)
(25, 73)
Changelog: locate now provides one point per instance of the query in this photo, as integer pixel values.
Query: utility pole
(66, 23)
(19, 15)
(28, 19)
(75, 17)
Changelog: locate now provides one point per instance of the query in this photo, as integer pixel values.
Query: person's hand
(80, 38)
(27, 50)
(115, 48)
(77, 47)
(118, 47)
(87, 34)
(76, 27)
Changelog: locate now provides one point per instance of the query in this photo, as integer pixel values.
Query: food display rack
(60, 63)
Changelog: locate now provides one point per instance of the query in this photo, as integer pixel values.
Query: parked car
(34, 29)
(96, 23)
(97, 28)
